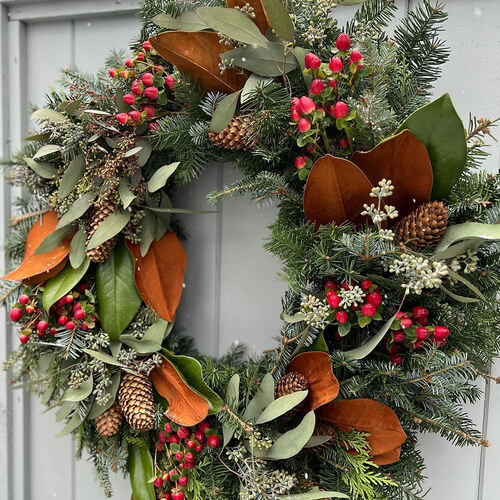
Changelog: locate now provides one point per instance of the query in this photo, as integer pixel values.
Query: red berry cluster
(148, 89)
(411, 330)
(67, 312)
(182, 446)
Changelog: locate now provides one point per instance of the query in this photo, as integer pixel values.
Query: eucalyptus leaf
(126, 195)
(79, 394)
(72, 106)
(296, 318)
(110, 391)
(37, 137)
(141, 470)
(279, 19)
(120, 105)
(280, 406)
(263, 398)
(72, 176)
(145, 152)
(160, 177)
(62, 283)
(74, 422)
(76, 210)
(54, 239)
(300, 54)
(224, 112)
(163, 219)
(47, 150)
(148, 225)
(109, 227)
(97, 112)
(42, 169)
(317, 441)
(105, 358)
(232, 401)
(151, 340)
(459, 298)
(77, 250)
(187, 21)
(48, 115)
(315, 495)
(65, 409)
(303, 339)
(254, 81)
(467, 283)
(180, 211)
(133, 151)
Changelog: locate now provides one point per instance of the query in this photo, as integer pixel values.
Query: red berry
(374, 298)
(183, 481)
(369, 310)
(420, 311)
(113, 72)
(168, 428)
(29, 309)
(150, 110)
(122, 118)
(82, 287)
(162, 437)
(312, 61)
(306, 105)
(159, 447)
(52, 331)
(153, 126)
(406, 323)
(137, 88)
(295, 115)
(68, 299)
(343, 42)
(311, 148)
(422, 320)
(151, 93)
(335, 65)
(399, 336)
(183, 432)
(170, 82)
(199, 448)
(76, 306)
(79, 314)
(24, 338)
(340, 110)
(203, 426)
(365, 285)
(135, 115)
(146, 46)
(389, 347)
(179, 456)
(341, 317)
(84, 326)
(213, 441)
(396, 359)
(187, 465)
(125, 74)
(330, 285)
(189, 457)
(441, 333)
(304, 125)
(333, 299)
(39, 334)
(158, 482)
(70, 325)
(191, 444)
(61, 302)
(355, 57)
(401, 314)
(129, 99)
(15, 314)
(422, 333)
(174, 439)
(418, 344)
(300, 162)
(177, 495)
(317, 86)
(166, 496)
(140, 56)
(62, 320)
(129, 62)
(199, 436)
(157, 68)
(343, 143)
(42, 326)
(147, 79)
(23, 299)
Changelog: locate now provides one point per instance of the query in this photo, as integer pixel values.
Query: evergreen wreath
(387, 229)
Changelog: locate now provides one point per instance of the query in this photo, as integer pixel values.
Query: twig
(14, 221)
(243, 425)
(488, 376)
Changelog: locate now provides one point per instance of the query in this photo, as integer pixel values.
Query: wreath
(387, 229)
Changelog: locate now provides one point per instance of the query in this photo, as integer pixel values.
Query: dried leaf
(38, 267)
(159, 275)
(372, 417)
(317, 368)
(197, 53)
(336, 191)
(185, 406)
(388, 458)
(261, 18)
(404, 160)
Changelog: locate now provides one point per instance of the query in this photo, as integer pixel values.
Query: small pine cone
(290, 383)
(109, 423)
(324, 429)
(135, 396)
(424, 226)
(97, 215)
(237, 135)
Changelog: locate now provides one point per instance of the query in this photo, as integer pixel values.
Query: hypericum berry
(158, 482)
(150, 110)
(147, 79)
(355, 57)
(129, 62)
(52, 331)
(335, 64)
(39, 334)
(422, 333)
(170, 82)
(79, 314)
(125, 74)
(343, 143)
(82, 287)
(199, 436)
(61, 302)
(140, 56)
(396, 359)
(162, 437)
(157, 68)
(68, 299)
(300, 162)
(168, 428)
(441, 332)
(422, 320)
(340, 110)
(343, 42)
(84, 326)
(113, 72)
(341, 317)
(179, 456)
(304, 125)
(418, 344)
(311, 148)
(213, 441)
(401, 314)
(419, 311)
(183, 432)
(122, 118)
(23, 299)
(159, 447)
(70, 325)
(177, 495)
(191, 445)
(137, 88)
(317, 86)
(406, 323)
(312, 61)
(129, 99)
(42, 326)
(189, 457)
(374, 298)
(330, 285)
(295, 115)
(369, 310)
(389, 347)
(333, 299)
(333, 84)
(135, 115)
(399, 336)
(15, 314)
(174, 439)
(29, 309)
(151, 93)
(24, 338)
(146, 46)
(183, 481)
(199, 448)
(306, 105)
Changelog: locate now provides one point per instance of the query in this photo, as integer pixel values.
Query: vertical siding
(232, 290)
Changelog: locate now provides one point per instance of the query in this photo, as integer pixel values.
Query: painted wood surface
(232, 290)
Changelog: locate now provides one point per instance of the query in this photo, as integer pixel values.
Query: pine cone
(290, 383)
(424, 226)
(237, 135)
(97, 215)
(324, 429)
(109, 423)
(135, 396)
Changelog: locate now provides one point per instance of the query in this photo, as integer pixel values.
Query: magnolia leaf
(233, 24)
(150, 342)
(105, 358)
(111, 391)
(73, 423)
(64, 282)
(48, 115)
(109, 227)
(439, 127)
(232, 401)
(70, 178)
(262, 399)
(54, 240)
(79, 394)
(281, 406)
(290, 443)
(116, 293)
(76, 210)
(254, 81)
(279, 19)
(224, 112)
(315, 495)
(160, 177)
(47, 150)
(126, 196)
(42, 169)
(187, 21)
(141, 470)
(77, 252)
(261, 18)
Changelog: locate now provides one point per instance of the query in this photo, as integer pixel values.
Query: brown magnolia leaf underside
(404, 160)
(323, 385)
(38, 268)
(159, 275)
(43, 277)
(336, 191)
(197, 53)
(185, 407)
(388, 458)
(372, 417)
(261, 18)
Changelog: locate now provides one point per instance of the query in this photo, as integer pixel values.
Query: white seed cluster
(353, 296)
(97, 340)
(315, 310)
(375, 212)
(386, 234)
(468, 260)
(143, 365)
(257, 440)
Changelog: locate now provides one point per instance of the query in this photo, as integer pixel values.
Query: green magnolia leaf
(141, 470)
(190, 371)
(232, 23)
(315, 494)
(48, 115)
(232, 401)
(105, 358)
(111, 391)
(79, 394)
(117, 295)
(280, 406)
(254, 81)
(76, 210)
(264, 61)
(73, 423)
(109, 227)
(65, 281)
(224, 112)
(54, 239)
(41, 168)
(279, 19)
(47, 150)
(126, 195)
(290, 443)
(262, 399)
(439, 127)
(72, 175)
(363, 351)
(145, 152)
(187, 21)
(148, 224)
(151, 340)
(160, 177)
(77, 250)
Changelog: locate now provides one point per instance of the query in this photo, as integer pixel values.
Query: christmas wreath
(387, 229)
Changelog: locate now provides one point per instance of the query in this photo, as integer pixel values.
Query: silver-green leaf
(280, 406)
(161, 176)
(109, 227)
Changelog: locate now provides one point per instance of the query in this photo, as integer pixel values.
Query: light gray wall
(232, 291)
